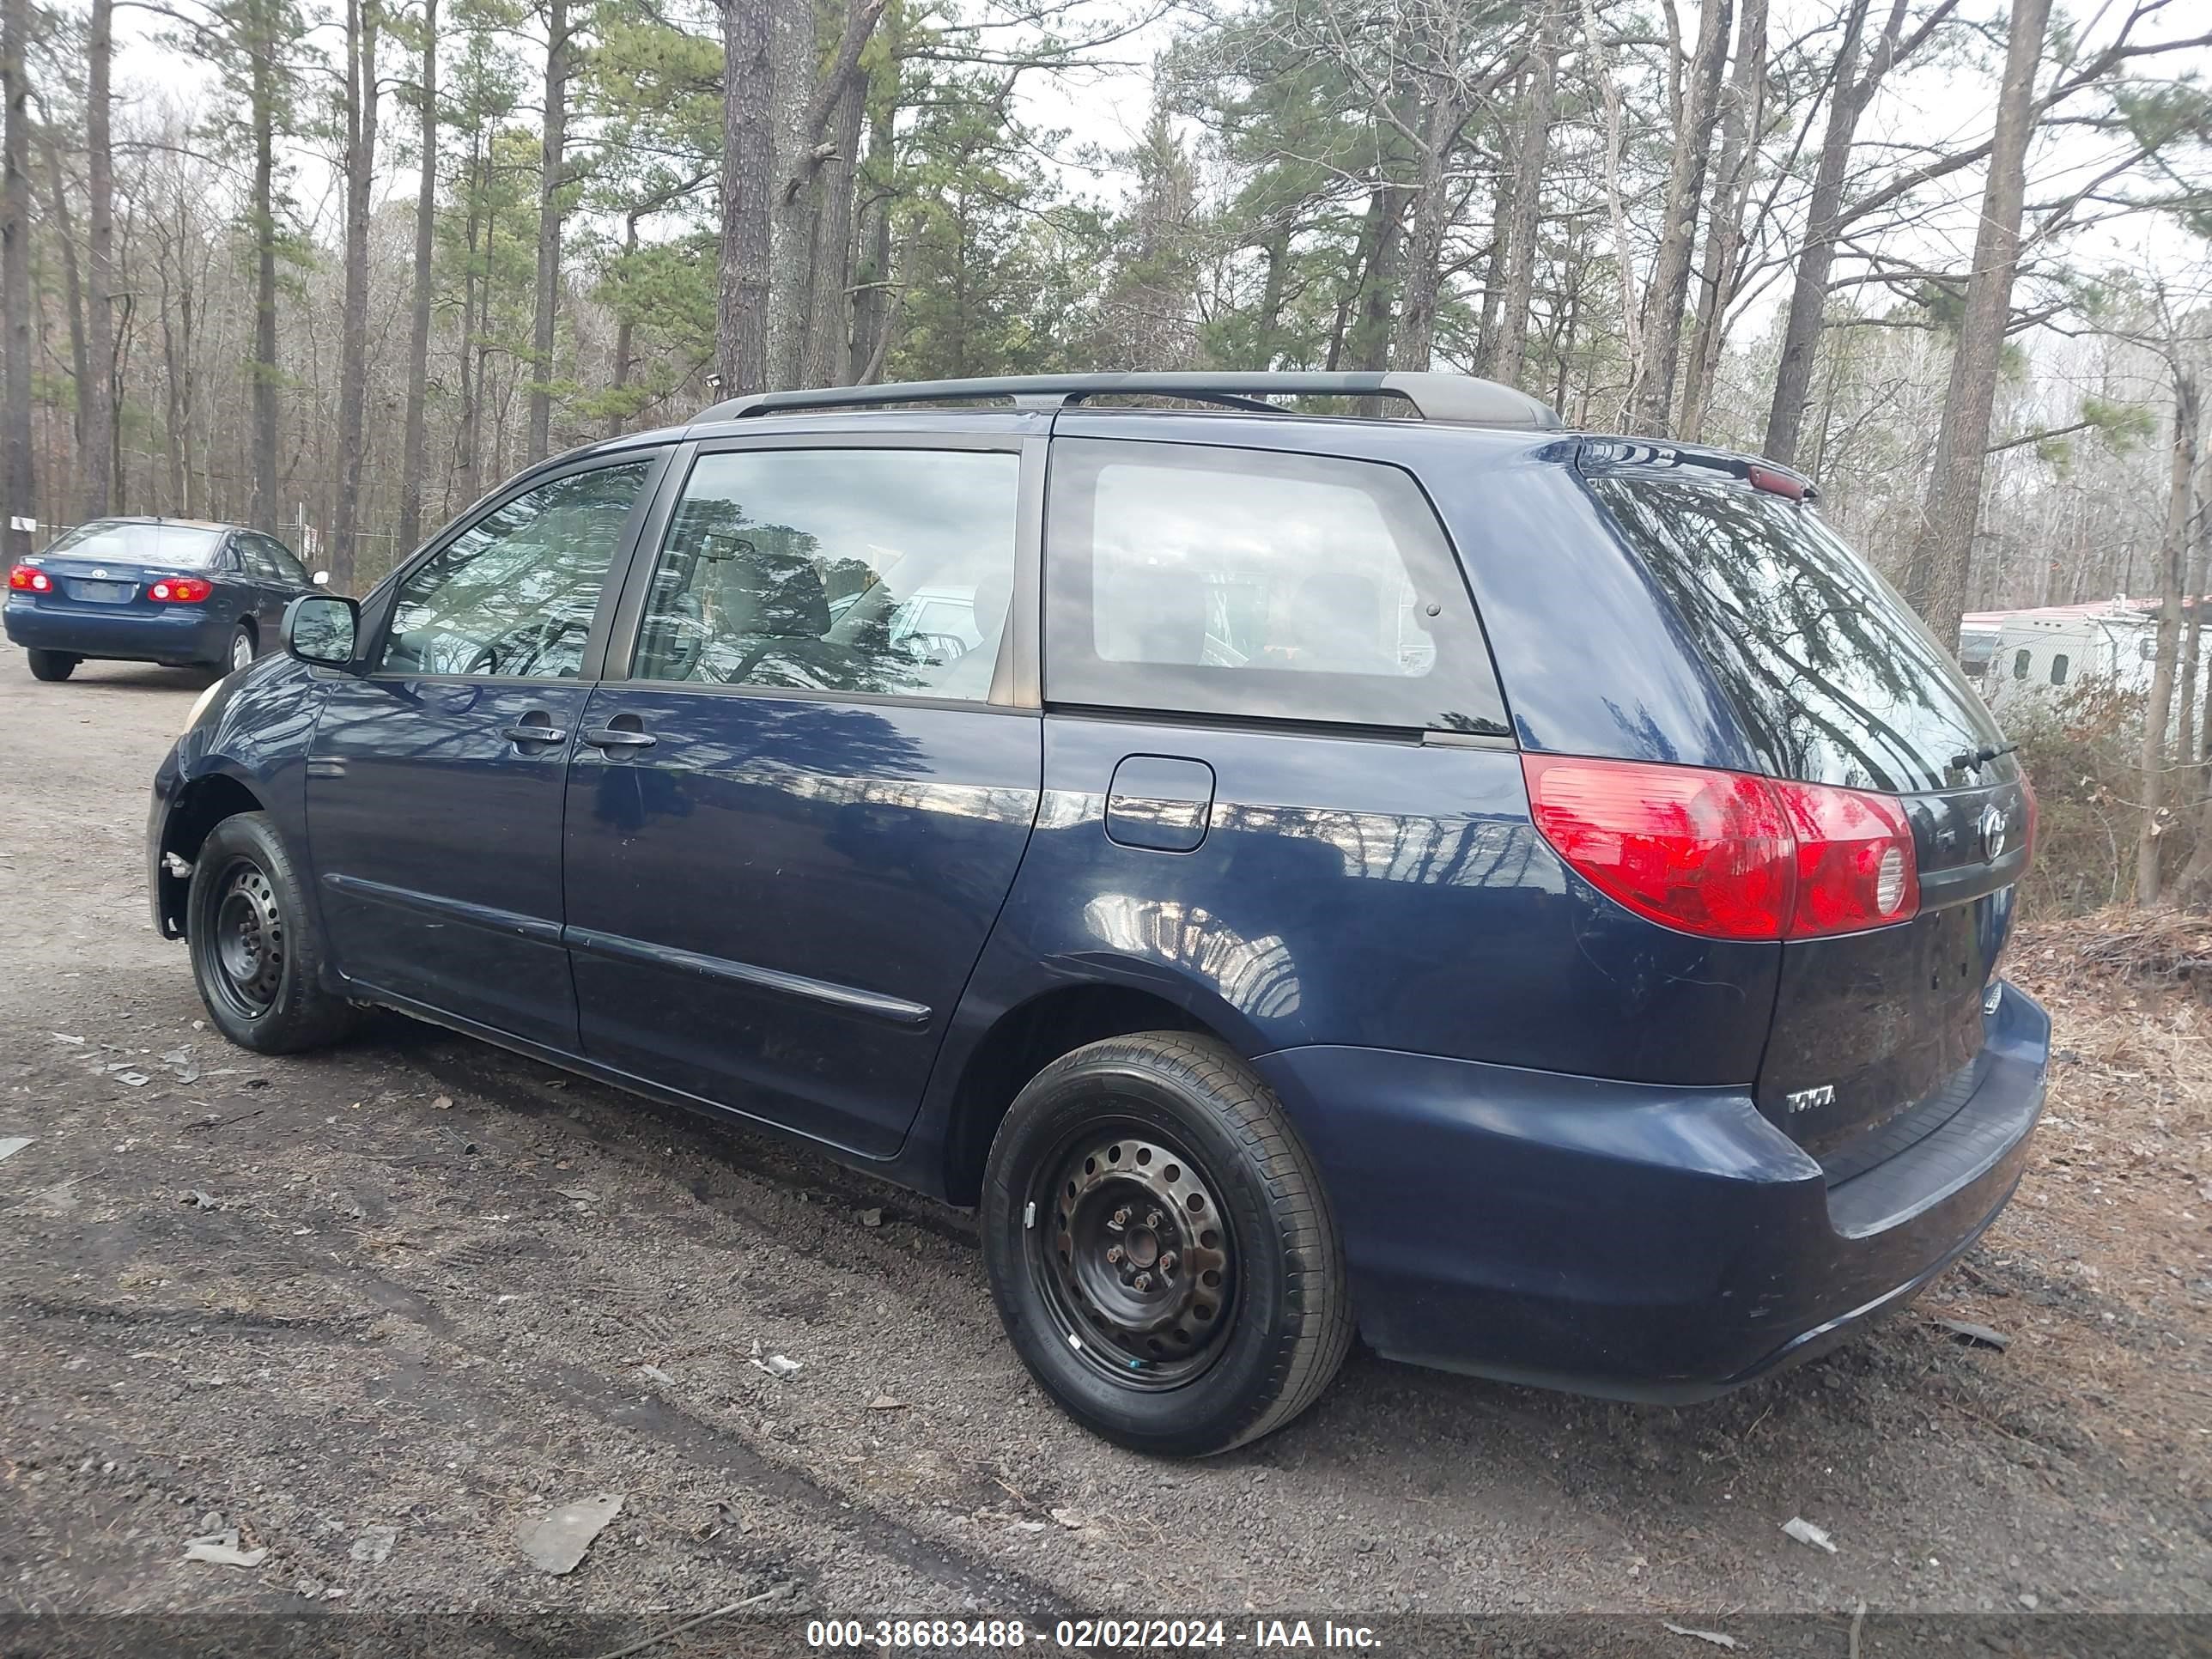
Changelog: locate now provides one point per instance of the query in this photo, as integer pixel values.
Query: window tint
(884, 571)
(2058, 669)
(1835, 680)
(2020, 661)
(512, 595)
(170, 546)
(1241, 582)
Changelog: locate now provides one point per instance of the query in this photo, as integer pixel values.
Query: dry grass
(2102, 1269)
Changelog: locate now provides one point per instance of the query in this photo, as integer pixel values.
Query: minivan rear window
(171, 546)
(1837, 680)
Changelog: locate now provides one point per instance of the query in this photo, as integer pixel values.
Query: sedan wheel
(241, 650)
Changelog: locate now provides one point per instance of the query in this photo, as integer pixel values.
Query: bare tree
(748, 162)
(2173, 563)
(1669, 286)
(15, 277)
(361, 21)
(552, 175)
(97, 393)
(1936, 581)
(1508, 341)
(418, 323)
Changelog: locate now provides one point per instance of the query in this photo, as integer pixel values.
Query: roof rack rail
(1459, 398)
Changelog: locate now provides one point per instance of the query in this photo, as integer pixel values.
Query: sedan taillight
(29, 579)
(1726, 855)
(180, 590)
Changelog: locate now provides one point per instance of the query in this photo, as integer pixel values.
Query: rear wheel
(241, 649)
(52, 665)
(1160, 1247)
(256, 955)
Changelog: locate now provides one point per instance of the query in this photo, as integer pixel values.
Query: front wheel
(52, 665)
(256, 954)
(1161, 1248)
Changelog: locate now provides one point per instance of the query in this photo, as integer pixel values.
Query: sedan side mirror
(324, 629)
(322, 579)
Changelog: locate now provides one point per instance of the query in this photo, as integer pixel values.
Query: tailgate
(1877, 1036)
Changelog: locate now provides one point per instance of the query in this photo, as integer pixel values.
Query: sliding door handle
(614, 738)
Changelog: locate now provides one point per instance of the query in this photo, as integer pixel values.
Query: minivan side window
(512, 596)
(1255, 584)
(883, 572)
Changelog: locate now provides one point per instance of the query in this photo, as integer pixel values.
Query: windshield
(171, 546)
(1834, 676)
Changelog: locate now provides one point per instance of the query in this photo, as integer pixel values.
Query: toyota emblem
(1992, 825)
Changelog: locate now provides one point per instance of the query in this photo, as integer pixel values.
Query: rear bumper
(1637, 1241)
(180, 633)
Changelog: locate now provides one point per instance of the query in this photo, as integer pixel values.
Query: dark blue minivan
(1532, 898)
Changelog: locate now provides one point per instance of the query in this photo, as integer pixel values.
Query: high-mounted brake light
(29, 579)
(1775, 482)
(1725, 855)
(180, 590)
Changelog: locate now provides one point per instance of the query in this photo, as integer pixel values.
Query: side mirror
(322, 579)
(322, 629)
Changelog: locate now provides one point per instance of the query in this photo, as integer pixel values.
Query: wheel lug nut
(1121, 1218)
(1154, 1220)
(1144, 1281)
(1113, 1252)
(1167, 1262)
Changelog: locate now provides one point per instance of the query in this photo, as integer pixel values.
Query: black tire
(1251, 1322)
(256, 954)
(52, 665)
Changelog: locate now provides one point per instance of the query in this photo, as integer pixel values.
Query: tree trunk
(465, 431)
(2173, 563)
(98, 395)
(549, 181)
(625, 335)
(1509, 341)
(872, 276)
(1432, 214)
(1936, 581)
(72, 284)
(1374, 296)
(262, 98)
(793, 54)
(1744, 108)
(1686, 188)
(413, 457)
(748, 166)
(15, 281)
(352, 323)
(1277, 252)
(829, 329)
(1824, 223)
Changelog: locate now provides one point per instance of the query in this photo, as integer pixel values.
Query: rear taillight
(29, 579)
(180, 590)
(1726, 855)
(1854, 864)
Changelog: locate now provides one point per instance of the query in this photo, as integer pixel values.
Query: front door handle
(541, 729)
(609, 736)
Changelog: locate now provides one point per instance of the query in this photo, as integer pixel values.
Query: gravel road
(380, 1309)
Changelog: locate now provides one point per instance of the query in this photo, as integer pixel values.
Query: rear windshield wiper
(1972, 760)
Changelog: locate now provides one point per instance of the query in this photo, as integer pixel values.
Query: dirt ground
(377, 1310)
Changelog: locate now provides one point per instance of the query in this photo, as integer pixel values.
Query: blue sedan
(172, 591)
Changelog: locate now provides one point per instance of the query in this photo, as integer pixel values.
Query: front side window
(283, 567)
(512, 595)
(1246, 583)
(881, 571)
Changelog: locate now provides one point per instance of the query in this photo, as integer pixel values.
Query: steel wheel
(249, 940)
(1137, 1265)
